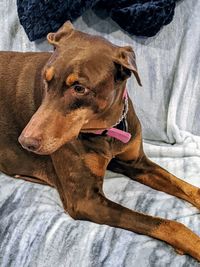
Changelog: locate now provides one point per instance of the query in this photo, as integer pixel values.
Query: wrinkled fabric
(137, 17)
(35, 231)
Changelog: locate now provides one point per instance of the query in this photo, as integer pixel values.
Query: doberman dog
(66, 117)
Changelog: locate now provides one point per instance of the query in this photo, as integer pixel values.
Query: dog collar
(117, 133)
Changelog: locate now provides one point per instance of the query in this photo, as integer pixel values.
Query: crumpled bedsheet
(35, 231)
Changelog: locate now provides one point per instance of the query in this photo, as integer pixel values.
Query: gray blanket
(35, 231)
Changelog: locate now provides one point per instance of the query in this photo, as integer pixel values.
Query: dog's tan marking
(71, 79)
(132, 150)
(179, 236)
(102, 103)
(49, 73)
(96, 164)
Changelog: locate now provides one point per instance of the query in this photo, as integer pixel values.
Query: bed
(35, 230)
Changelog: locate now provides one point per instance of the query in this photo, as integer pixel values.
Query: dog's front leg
(147, 172)
(80, 174)
(80, 179)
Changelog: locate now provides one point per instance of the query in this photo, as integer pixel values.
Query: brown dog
(60, 100)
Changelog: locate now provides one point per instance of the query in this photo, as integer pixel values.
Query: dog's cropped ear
(126, 63)
(54, 37)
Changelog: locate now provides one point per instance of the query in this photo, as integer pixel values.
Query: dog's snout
(30, 143)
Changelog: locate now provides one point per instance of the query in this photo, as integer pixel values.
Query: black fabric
(123, 125)
(137, 17)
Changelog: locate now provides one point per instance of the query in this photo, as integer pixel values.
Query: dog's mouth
(87, 130)
(34, 145)
(44, 148)
(47, 145)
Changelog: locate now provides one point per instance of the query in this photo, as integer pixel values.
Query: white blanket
(35, 231)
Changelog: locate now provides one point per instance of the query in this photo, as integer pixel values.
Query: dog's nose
(29, 143)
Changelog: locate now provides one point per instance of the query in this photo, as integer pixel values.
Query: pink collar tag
(117, 133)
(123, 136)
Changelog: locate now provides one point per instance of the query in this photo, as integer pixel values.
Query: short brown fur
(54, 123)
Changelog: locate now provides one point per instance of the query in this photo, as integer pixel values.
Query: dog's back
(19, 79)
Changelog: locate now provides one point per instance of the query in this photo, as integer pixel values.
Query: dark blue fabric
(137, 17)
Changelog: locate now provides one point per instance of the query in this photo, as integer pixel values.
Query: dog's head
(84, 81)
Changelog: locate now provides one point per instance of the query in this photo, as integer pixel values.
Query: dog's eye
(80, 89)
